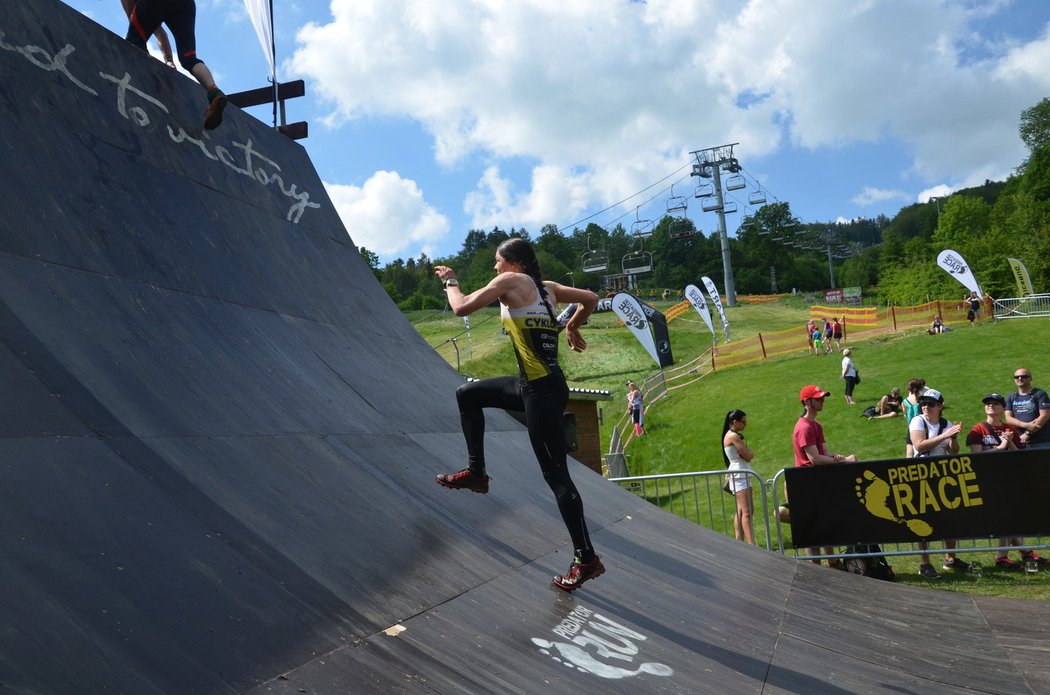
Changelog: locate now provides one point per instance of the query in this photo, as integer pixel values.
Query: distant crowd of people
(821, 334)
(1018, 420)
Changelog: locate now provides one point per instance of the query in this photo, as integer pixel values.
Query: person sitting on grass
(889, 405)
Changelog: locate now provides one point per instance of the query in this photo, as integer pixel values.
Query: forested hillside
(893, 260)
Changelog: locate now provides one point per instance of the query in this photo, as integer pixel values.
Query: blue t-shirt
(1026, 409)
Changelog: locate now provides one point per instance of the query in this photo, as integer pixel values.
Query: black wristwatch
(451, 282)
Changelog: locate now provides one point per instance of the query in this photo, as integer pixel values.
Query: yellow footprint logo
(873, 495)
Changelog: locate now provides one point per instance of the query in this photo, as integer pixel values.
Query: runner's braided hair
(517, 250)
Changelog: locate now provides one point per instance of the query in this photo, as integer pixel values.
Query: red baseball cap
(812, 391)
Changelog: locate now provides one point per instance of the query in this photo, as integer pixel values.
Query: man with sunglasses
(1028, 410)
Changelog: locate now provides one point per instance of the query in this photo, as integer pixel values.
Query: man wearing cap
(931, 435)
(810, 447)
(1028, 410)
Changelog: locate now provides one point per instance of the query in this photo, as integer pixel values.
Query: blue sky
(430, 119)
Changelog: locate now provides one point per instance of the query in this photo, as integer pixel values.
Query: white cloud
(938, 191)
(387, 214)
(606, 98)
(871, 195)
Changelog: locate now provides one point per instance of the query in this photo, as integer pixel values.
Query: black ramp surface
(218, 439)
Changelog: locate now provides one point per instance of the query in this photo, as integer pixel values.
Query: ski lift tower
(710, 164)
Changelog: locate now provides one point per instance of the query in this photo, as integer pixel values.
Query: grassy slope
(684, 429)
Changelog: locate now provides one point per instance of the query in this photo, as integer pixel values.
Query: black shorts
(179, 15)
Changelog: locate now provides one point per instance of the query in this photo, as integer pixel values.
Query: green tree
(371, 260)
(1035, 126)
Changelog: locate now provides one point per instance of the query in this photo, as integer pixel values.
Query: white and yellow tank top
(534, 336)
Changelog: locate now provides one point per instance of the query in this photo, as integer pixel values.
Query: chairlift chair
(642, 228)
(680, 228)
(704, 190)
(676, 203)
(729, 207)
(735, 183)
(756, 197)
(709, 203)
(637, 262)
(594, 260)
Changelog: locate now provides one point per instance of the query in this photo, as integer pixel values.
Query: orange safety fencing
(856, 322)
(760, 298)
(677, 310)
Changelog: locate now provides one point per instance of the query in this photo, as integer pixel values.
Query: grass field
(684, 430)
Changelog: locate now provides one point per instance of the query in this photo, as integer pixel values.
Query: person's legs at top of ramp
(145, 18)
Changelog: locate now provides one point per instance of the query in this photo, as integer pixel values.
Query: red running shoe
(213, 116)
(1029, 555)
(466, 479)
(1006, 563)
(578, 573)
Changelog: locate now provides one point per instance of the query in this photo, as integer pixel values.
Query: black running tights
(543, 401)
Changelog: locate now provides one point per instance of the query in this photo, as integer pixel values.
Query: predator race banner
(699, 302)
(1024, 283)
(955, 265)
(648, 325)
(982, 495)
(713, 292)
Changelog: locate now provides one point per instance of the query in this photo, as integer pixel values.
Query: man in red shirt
(810, 447)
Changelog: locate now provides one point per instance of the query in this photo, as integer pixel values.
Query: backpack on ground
(874, 566)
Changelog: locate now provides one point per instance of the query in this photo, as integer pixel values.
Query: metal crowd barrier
(1033, 305)
(689, 496)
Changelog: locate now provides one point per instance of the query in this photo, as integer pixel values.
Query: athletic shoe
(466, 479)
(578, 573)
(1007, 564)
(926, 570)
(956, 565)
(1029, 555)
(213, 116)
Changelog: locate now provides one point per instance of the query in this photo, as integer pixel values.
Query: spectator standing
(933, 436)
(836, 332)
(818, 343)
(828, 334)
(810, 448)
(1028, 410)
(636, 407)
(849, 373)
(810, 327)
(911, 409)
(738, 456)
(973, 308)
